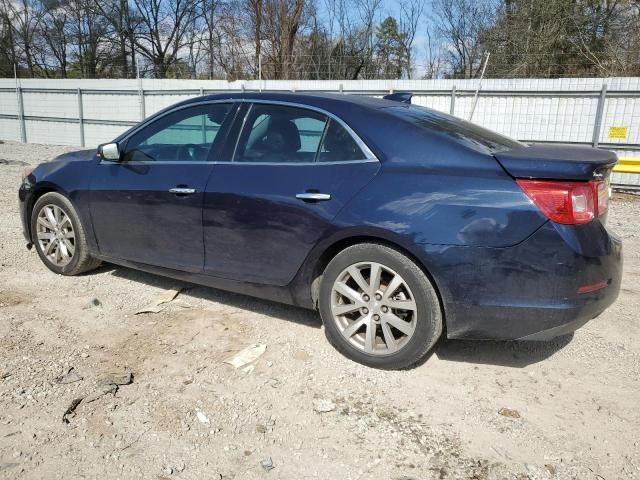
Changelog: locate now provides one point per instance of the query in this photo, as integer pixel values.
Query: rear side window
(283, 134)
(277, 133)
(458, 130)
(338, 145)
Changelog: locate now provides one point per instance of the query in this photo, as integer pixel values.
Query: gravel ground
(483, 410)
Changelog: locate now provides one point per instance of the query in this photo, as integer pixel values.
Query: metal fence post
(597, 126)
(452, 104)
(81, 117)
(23, 127)
(141, 102)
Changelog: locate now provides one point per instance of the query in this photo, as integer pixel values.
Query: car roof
(332, 102)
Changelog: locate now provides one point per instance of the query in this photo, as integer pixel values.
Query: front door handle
(182, 190)
(313, 197)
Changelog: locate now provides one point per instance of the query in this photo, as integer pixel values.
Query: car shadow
(256, 305)
(516, 354)
(512, 353)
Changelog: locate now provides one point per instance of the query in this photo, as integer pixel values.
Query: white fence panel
(53, 133)
(9, 130)
(8, 102)
(49, 103)
(111, 106)
(96, 134)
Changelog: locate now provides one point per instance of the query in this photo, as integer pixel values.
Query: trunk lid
(556, 162)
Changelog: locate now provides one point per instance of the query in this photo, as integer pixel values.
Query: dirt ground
(488, 410)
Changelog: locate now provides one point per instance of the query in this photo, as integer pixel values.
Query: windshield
(459, 130)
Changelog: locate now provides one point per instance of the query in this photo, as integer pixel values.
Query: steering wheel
(187, 152)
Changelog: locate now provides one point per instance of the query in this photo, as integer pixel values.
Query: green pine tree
(391, 58)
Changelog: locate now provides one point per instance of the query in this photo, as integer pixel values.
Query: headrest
(282, 136)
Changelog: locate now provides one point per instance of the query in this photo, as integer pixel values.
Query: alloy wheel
(374, 308)
(55, 234)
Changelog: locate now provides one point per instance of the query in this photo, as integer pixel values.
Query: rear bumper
(528, 291)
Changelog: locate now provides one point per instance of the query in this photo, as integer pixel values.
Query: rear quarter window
(458, 130)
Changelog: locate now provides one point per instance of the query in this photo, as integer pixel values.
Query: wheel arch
(37, 192)
(322, 258)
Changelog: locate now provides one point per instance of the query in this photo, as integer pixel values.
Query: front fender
(70, 178)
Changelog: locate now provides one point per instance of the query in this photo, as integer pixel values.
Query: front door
(292, 171)
(148, 206)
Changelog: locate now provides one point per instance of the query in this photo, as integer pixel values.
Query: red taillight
(592, 287)
(570, 203)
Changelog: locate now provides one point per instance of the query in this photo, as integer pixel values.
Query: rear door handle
(313, 197)
(182, 190)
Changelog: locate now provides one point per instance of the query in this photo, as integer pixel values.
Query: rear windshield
(459, 130)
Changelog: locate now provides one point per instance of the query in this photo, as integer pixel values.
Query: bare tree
(234, 50)
(255, 9)
(433, 56)
(462, 25)
(24, 18)
(88, 30)
(8, 50)
(55, 34)
(163, 35)
(124, 25)
(210, 17)
(411, 12)
(280, 23)
(323, 39)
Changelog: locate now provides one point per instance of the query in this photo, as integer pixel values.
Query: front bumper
(25, 195)
(528, 291)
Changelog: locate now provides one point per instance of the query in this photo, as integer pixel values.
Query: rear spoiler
(402, 97)
(556, 162)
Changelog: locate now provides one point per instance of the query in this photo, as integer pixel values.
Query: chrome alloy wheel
(373, 308)
(55, 234)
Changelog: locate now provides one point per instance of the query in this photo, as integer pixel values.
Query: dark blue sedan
(396, 222)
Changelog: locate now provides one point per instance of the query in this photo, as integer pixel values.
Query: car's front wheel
(59, 237)
(378, 307)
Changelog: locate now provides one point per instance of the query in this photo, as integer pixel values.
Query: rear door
(290, 172)
(147, 207)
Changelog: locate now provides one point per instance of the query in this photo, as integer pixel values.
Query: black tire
(428, 316)
(81, 260)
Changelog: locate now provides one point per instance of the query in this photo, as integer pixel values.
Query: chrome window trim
(159, 162)
(302, 164)
(370, 156)
(178, 162)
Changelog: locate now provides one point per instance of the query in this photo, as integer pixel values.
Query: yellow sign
(618, 132)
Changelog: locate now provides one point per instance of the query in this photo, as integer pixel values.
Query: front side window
(184, 135)
(276, 133)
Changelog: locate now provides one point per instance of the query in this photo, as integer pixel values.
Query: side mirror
(109, 151)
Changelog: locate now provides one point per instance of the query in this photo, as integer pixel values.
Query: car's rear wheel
(59, 237)
(378, 307)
